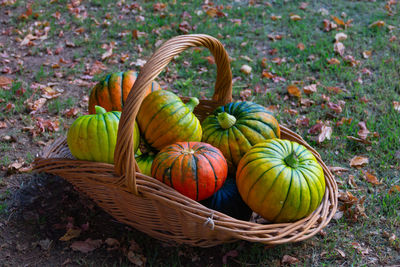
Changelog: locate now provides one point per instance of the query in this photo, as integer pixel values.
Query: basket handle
(124, 158)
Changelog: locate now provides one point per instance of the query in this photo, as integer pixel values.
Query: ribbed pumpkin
(164, 119)
(145, 161)
(280, 180)
(112, 91)
(93, 137)
(236, 127)
(228, 200)
(195, 169)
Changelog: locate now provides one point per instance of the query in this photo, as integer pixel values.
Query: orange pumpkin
(195, 169)
(112, 91)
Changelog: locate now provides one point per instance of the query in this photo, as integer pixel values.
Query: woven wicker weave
(156, 209)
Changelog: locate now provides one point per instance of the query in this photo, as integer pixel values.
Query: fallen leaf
(86, 246)
(338, 21)
(232, 253)
(273, 17)
(139, 62)
(358, 161)
(293, 90)
(395, 188)
(363, 132)
(310, 89)
(338, 169)
(5, 81)
(339, 48)
(393, 38)
(340, 36)
(137, 34)
(303, 121)
(96, 68)
(326, 132)
(289, 260)
(333, 61)
(370, 178)
(295, 17)
(396, 105)
(352, 182)
(364, 141)
(328, 25)
(359, 248)
(36, 105)
(335, 107)
(50, 93)
(316, 128)
(107, 54)
(303, 5)
(347, 198)
(245, 94)
(378, 23)
(301, 46)
(341, 252)
(367, 54)
(70, 234)
(246, 69)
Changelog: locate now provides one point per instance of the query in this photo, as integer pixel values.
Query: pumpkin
(228, 200)
(144, 162)
(93, 137)
(236, 127)
(164, 119)
(112, 91)
(195, 169)
(280, 180)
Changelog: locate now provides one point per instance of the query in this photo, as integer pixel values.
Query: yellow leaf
(293, 90)
(70, 234)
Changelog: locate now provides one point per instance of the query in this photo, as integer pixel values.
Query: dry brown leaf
(3, 125)
(352, 182)
(367, 54)
(335, 107)
(396, 105)
(339, 48)
(326, 132)
(137, 34)
(246, 69)
(301, 46)
(295, 17)
(338, 21)
(303, 5)
(358, 161)
(5, 81)
(370, 178)
(50, 93)
(37, 104)
(363, 132)
(86, 246)
(347, 197)
(273, 17)
(107, 54)
(333, 61)
(393, 38)
(71, 234)
(338, 169)
(340, 36)
(310, 89)
(289, 260)
(293, 90)
(378, 23)
(359, 248)
(364, 141)
(96, 68)
(395, 188)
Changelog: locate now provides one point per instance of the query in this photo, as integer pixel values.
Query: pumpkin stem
(226, 120)
(192, 103)
(100, 110)
(292, 160)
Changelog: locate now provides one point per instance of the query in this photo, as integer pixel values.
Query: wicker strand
(124, 155)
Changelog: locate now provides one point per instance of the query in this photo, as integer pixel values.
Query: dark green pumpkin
(280, 180)
(164, 119)
(93, 137)
(228, 200)
(237, 126)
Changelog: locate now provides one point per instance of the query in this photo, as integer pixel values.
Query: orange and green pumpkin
(112, 91)
(237, 126)
(144, 162)
(164, 119)
(195, 169)
(93, 137)
(280, 180)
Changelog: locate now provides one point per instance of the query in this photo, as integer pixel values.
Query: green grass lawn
(293, 45)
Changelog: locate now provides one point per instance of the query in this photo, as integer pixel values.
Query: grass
(249, 37)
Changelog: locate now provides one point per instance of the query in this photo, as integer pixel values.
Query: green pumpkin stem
(292, 160)
(226, 120)
(192, 103)
(100, 110)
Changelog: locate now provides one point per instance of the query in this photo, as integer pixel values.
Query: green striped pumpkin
(237, 126)
(164, 119)
(93, 137)
(280, 180)
(145, 161)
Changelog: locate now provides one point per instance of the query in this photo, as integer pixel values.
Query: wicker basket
(156, 209)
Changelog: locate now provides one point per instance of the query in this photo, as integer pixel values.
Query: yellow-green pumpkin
(112, 91)
(237, 126)
(93, 137)
(145, 161)
(164, 119)
(280, 180)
